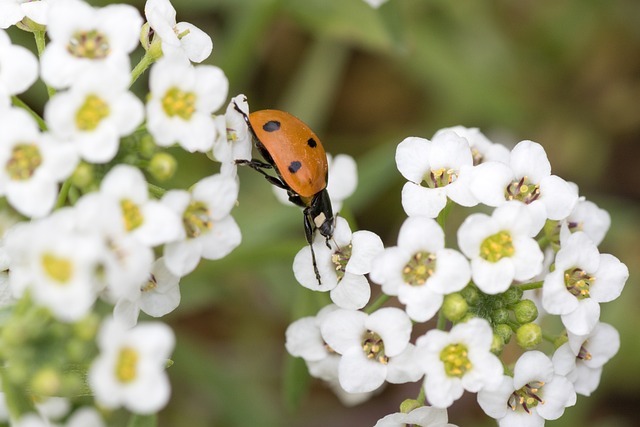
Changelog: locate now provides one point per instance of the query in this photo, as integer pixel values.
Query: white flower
(209, 231)
(233, 140)
(501, 247)
(13, 11)
(181, 39)
(588, 217)
(420, 270)
(18, 67)
(181, 102)
(147, 220)
(57, 264)
(583, 278)
(443, 164)
(130, 369)
(342, 182)
(159, 296)
(526, 178)
(343, 267)
(581, 358)
(31, 164)
(458, 360)
(303, 337)
(375, 348)
(424, 416)
(85, 417)
(534, 394)
(482, 149)
(87, 40)
(94, 114)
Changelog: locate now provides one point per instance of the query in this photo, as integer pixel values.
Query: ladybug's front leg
(308, 233)
(259, 166)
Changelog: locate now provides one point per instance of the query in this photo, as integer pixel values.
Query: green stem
(444, 213)
(549, 338)
(143, 420)
(20, 103)
(377, 303)
(64, 192)
(543, 241)
(150, 56)
(442, 321)
(40, 45)
(156, 191)
(532, 285)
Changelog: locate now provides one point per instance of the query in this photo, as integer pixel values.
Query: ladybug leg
(259, 166)
(308, 233)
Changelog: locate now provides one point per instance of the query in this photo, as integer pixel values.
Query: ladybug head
(322, 214)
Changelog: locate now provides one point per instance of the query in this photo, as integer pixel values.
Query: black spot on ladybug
(294, 166)
(271, 126)
(312, 143)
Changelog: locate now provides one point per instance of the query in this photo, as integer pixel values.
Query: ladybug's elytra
(296, 154)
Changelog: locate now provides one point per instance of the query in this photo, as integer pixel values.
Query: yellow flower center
(131, 214)
(127, 365)
(456, 360)
(437, 178)
(497, 246)
(578, 282)
(522, 190)
(179, 103)
(90, 44)
(57, 268)
(196, 219)
(527, 397)
(419, 268)
(91, 113)
(373, 347)
(25, 159)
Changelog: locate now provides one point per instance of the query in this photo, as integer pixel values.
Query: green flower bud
(497, 344)
(528, 336)
(46, 382)
(162, 166)
(409, 405)
(471, 294)
(454, 307)
(512, 295)
(147, 146)
(500, 315)
(83, 176)
(504, 331)
(525, 311)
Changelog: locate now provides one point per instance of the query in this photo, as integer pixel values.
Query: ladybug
(297, 156)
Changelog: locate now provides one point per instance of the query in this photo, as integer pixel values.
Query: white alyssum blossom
(437, 170)
(87, 40)
(374, 347)
(94, 114)
(458, 360)
(343, 267)
(57, 264)
(31, 164)
(582, 358)
(375, 3)
(501, 247)
(233, 141)
(130, 369)
(182, 39)
(85, 417)
(482, 148)
(208, 229)
(14, 11)
(181, 102)
(18, 68)
(583, 278)
(424, 416)
(147, 220)
(588, 217)
(158, 297)
(420, 270)
(534, 394)
(526, 178)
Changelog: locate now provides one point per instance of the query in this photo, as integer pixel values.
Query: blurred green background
(563, 73)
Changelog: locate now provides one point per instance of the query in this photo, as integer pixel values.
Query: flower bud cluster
(533, 253)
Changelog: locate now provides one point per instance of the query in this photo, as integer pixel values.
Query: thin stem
(442, 321)
(422, 396)
(20, 103)
(40, 45)
(149, 58)
(549, 338)
(143, 420)
(64, 192)
(444, 213)
(377, 303)
(156, 191)
(543, 241)
(532, 285)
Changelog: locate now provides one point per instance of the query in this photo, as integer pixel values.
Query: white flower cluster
(540, 235)
(91, 231)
